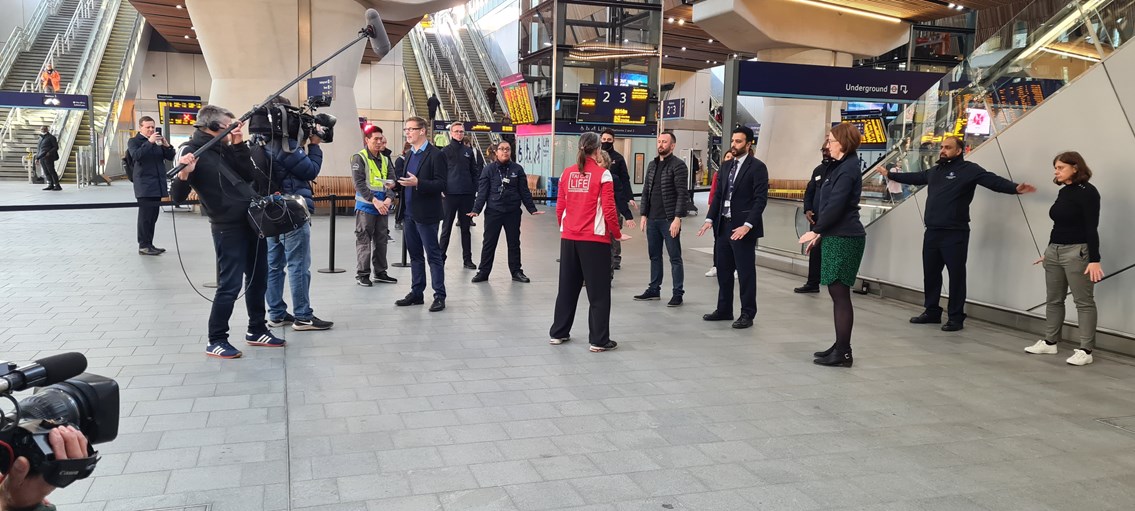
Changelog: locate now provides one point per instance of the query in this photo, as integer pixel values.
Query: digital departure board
(1026, 93)
(518, 99)
(605, 104)
(180, 112)
(872, 129)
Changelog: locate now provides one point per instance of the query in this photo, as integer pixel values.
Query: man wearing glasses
(421, 181)
(460, 185)
(503, 188)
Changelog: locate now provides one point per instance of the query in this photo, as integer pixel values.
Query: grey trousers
(617, 249)
(370, 242)
(1064, 267)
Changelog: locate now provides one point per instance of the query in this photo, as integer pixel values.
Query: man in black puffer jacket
(240, 251)
(460, 187)
(664, 204)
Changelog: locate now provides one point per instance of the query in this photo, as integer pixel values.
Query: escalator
(460, 90)
(418, 95)
(477, 62)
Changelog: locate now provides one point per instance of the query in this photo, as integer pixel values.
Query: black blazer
(750, 196)
(425, 206)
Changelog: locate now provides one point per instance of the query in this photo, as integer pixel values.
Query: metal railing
(427, 63)
(117, 98)
(22, 38)
(61, 44)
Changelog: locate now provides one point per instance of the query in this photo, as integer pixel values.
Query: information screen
(521, 107)
(605, 104)
(179, 113)
(874, 133)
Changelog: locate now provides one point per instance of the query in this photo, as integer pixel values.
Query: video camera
(278, 120)
(67, 396)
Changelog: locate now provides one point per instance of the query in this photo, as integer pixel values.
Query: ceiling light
(683, 48)
(187, 37)
(951, 6)
(681, 22)
(626, 40)
(671, 20)
(179, 6)
(734, 55)
(711, 41)
(840, 8)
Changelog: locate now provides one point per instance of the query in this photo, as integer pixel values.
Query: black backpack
(128, 166)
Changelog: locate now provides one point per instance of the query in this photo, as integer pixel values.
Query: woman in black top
(843, 236)
(1072, 258)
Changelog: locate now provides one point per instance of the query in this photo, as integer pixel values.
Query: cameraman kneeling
(240, 251)
(291, 170)
(18, 492)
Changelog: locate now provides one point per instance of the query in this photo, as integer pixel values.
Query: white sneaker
(712, 272)
(1042, 348)
(1080, 358)
(555, 341)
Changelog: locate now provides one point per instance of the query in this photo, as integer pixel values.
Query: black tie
(729, 187)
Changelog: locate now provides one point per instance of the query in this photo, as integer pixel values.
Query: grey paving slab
(472, 409)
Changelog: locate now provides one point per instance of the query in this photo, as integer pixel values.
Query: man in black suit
(735, 212)
(421, 181)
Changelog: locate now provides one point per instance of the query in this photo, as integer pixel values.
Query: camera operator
(19, 492)
(290, 171)
(240, 250)
(148, 152)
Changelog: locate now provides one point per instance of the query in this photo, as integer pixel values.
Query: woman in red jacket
(585, 211)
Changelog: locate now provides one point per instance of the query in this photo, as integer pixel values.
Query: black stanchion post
(402, 264)
(331, 263)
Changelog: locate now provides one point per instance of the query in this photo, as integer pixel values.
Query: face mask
(607, 146)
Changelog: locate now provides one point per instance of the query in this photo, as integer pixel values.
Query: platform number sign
(674, 109)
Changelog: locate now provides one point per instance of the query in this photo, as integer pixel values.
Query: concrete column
(253, 50)
(792, 130)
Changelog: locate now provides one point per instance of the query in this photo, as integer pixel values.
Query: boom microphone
(379, 40)
(45, 371)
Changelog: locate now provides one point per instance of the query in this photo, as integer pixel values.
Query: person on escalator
(950, 188)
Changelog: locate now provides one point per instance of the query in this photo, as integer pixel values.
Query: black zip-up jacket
(464, 171)
(47, 148)
(837, 199)
(674, 188)
(149, 166)
(814, 186)
(225, 205)
(506, 198)
(950, 188)
(622, 181)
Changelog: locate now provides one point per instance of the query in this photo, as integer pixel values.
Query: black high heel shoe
(836, 358)
(822, 354)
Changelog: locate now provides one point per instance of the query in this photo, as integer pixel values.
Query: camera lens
(88, 401)
(52, 403)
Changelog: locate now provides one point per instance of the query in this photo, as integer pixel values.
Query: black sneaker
(606, 347)
(288, 319)
(312, 324)
(952, 326)
(675, 301)
(383, 278)
(410, 299)
(648, 295)
(807, 289)
(149, 251)
(469, 265)
(363, 280)
(926, 318)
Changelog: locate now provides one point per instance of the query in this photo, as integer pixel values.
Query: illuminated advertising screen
(605, 104)
(518, 99)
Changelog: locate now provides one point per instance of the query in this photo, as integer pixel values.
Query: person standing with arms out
(148, 152)
(624, 197)
(838, 228)
(950, 188)
(502, 190)
(810, 207)
(585, 211)
(47, 153)
(1072, 258)
(50, 77)
(664, 204)
(421, 183)
(373, 175)
(736, 212)
(242, 255)
(432, 104)
(460, 188)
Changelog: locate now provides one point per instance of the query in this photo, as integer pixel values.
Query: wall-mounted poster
(639, 167)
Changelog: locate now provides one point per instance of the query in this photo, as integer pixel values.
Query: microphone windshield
(62, 367)
(379, 40)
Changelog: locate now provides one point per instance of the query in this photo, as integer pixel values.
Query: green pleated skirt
(840, 259)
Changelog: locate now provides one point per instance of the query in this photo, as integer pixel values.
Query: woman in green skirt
(843, 236)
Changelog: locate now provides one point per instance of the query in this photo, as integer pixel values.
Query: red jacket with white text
(585, 204)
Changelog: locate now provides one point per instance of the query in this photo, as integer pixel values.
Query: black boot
(837, 358)
(822, 354)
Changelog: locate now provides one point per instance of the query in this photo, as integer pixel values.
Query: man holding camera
(148, 152)
(290, 170)
(225, 177)
(20, 491)
(372, 172)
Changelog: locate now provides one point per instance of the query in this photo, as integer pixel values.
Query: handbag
(273, 215)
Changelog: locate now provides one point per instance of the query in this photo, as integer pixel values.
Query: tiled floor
(399, 408)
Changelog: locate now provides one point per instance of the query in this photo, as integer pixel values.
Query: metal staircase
(21, 135)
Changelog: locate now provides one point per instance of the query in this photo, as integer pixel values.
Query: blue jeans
(291, 251)
(657, 233)
(424, 238)
(240, 258)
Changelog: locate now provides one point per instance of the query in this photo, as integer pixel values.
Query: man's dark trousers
(740, 256)
(421, 244)
(815, 260)
(494, 221)
(459, 206)
(148, 210)
(242, 257)
(946, 248)
(657, 234)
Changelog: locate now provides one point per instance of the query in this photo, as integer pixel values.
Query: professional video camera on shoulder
(67, 397)
(279, 120)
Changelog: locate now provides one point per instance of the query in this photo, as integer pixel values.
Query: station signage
(773, 79)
